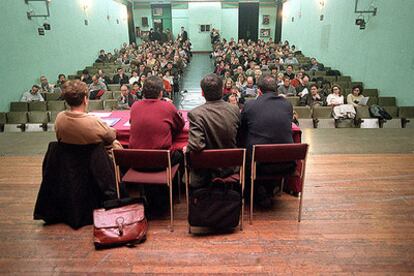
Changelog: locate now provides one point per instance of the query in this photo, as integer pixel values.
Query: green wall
(68, 47)
(381, 55)
(270, 10)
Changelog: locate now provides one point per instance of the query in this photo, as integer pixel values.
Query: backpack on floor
(379, 112)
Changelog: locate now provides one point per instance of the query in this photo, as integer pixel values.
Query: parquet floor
(358, 219)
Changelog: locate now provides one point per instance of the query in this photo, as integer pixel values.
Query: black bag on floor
(217, 206)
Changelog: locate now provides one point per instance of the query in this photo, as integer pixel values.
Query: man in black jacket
(267, 120)
(121, 77)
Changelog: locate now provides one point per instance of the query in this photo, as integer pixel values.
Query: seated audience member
(241, 81)
(232, 99)
(325, 88)
(61, 80)
(75, 126)
(228, 85)
(167, 88)
(103, 77)
(286, 89)
(279, 79)
(316, 66)
(297, 80)
(303, 88)
(267, 120)
(155, 122)
(120, 77)
(250, 90)
(96, 88)
(213, 125)
(313, 98)
(356, 96)
(134, 77)
(136, 89)
(142, 70)
(85, 77)
(45, 86)
(335, 98)
(102, 57)
(291, 60)
(33, 95)
(289, 72)
(126, 99)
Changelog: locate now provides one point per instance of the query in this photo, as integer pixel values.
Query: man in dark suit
(213, 125)
(183, 35)
(121, 77)
(267, 120)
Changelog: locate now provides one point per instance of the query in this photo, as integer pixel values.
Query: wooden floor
(358, 218)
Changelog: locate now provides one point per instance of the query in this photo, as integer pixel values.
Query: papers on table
(127, 124)
(101, 114)
(111, 121)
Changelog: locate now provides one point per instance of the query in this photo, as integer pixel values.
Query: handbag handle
(117, 176)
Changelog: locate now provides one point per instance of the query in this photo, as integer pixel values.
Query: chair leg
(251, 200)
(171, 210)
(300, 206)
(242, 214)
(179, 186)
(282, 183)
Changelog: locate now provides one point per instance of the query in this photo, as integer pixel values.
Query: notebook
(111, 121)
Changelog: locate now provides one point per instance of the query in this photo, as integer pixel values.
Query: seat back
(370, 92)
(37, 106)
(322, 112)
(407, 112)
(392, 110)
(56, 105)
(362, 111)
(293, 100)
(110, 104)
(16, 117)
(53, 96)
(107, 95)
(277, 153)
(19, 107)
(3, 119)
(38, 117)
(217, 158)
(95, 105)
(116, 94)
(387, 101)
(304, 112)
(114, 87)
(142, 159)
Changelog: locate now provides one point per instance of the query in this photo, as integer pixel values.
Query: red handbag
(125, 225)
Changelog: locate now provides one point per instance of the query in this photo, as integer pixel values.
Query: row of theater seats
(382, 101)
(321, 117)
(103, 104)
(42, 114)
(110, 70)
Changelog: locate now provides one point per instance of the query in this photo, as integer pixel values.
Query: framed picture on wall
(157, 11)
(144, 21)
(264, 32)
(266, 20)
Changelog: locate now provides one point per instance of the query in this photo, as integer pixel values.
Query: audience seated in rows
(33, 95)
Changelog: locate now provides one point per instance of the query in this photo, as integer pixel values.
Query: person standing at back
(213, 125)
(267, 120)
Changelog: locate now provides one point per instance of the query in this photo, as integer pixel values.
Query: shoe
(295, 194)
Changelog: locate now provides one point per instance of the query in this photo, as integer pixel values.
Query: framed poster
(264, 32)
(157, 11)
(266, 20)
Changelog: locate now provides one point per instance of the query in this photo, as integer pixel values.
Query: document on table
(101, 114)
(127, 124)
(111, 121)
